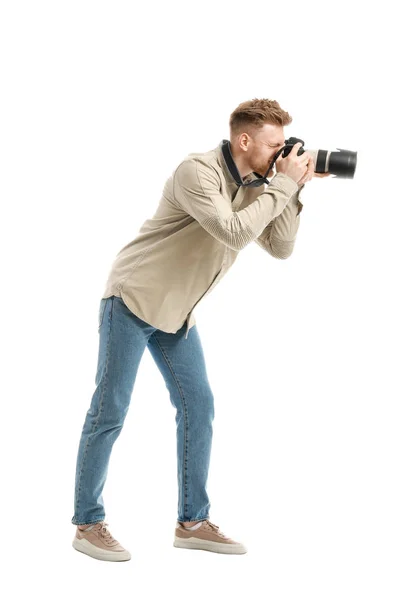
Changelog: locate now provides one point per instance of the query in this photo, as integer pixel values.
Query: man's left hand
(310, 173)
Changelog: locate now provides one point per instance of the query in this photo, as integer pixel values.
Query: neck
(240, 163)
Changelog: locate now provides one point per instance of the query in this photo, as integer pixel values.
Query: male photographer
(212, 206)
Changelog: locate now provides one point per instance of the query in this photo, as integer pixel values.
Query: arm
(196, 190)
(279, 236)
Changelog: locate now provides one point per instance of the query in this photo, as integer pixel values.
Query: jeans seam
(100, 410)
(184, 419)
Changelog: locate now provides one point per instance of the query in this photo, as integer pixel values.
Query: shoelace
(215, 528)
(104, 532)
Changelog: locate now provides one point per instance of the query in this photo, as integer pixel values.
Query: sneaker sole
(87, 548)
(220, 547)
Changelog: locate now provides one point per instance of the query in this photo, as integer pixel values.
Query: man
(211, 207)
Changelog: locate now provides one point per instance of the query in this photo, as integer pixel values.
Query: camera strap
(230, 163)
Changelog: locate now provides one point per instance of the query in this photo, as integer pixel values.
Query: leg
(123, 339)
(181, 362)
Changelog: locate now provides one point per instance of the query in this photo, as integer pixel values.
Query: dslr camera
(342, 163)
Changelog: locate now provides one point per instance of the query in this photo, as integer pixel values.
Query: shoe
(96, 541)
(206, 537)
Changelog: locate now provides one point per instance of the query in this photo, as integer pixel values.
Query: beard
(261, 169)
(269, 173)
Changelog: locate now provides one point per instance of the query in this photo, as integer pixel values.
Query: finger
(307, 156)
(310, 170)
(303, 179)
(309, 173)
(295, 148)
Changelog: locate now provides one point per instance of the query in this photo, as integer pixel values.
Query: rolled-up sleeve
(279, 236)
(197, 192)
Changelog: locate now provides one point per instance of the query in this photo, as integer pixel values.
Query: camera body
(289, 145)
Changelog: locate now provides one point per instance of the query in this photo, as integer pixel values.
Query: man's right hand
(292, 165)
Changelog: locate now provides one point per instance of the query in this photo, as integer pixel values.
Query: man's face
(263, 147)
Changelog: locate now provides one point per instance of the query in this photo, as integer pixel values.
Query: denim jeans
(123, 340)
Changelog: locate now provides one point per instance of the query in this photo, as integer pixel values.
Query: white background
(100, 101)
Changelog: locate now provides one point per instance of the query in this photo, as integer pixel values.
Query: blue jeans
(123, 340)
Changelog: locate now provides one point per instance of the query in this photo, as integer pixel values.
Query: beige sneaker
(206, 537)
(97, 542)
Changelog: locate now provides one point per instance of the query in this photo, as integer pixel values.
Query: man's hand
(310, 173)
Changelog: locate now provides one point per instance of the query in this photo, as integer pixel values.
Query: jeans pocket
(102, 308)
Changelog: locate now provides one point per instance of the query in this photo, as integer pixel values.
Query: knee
(205, 403)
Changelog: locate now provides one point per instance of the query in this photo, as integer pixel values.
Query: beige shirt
(204, 218)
